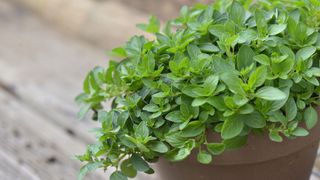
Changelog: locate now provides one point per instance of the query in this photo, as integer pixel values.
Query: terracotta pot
(260, 159)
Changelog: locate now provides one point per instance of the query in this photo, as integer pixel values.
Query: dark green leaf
(158, 146)
(138, 163)
(193, 129)
(128, 169)
(117, 175)
(245, 57)
(253, 120)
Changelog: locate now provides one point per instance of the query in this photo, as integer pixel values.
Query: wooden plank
(100, 22)
(36, 143)
(45, 68)
(10, 169)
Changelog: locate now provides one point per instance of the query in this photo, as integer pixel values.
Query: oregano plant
(231, 68)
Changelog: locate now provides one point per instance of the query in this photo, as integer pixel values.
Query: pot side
(260, 159)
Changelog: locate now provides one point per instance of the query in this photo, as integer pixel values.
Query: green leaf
(258, 77)
(247, 35)
(270, 93)
(262, 59)
(198, 102)
(158, 146)
(84, 109)
(253, 120)
(291, 109)
(138, 163)
(117, 175)
(237, 13)
(231, 128)
(300, 132)
(142, 130)
(311, 117)
(118, 52)
(174, 116)
(151, 108)
(217, 102)
(204, 157)
(87, 168)
(128, 169)
(274, 136)
(245, 57)
(235, 143)
(193, 129)
(152, 27)
(216, 148)
(179, 154)
(305, 53)
(275, 29)
(261, 22)
(233, 82)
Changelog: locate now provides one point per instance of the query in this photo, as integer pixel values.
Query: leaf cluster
(230, 68)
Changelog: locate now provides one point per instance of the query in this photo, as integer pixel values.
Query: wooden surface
(41, 71)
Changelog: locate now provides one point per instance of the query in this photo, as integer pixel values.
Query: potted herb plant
(231, 75)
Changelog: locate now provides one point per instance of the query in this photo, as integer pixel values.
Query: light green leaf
(247, 35)
(174, 116)
(233, 82)
(291, 109)
(151, 108)
(270, 93)
(231, 128)
(306, 52)
(152, 27)
(275, 29)
(262, 59)
(300, 132)
(204, 157)
(258, 77)
(311, 117)
(274, 136)
(198, 102)
(87, 168)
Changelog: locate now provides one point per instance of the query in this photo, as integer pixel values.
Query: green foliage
(230, 69)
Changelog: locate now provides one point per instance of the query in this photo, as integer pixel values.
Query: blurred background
(46, 49)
